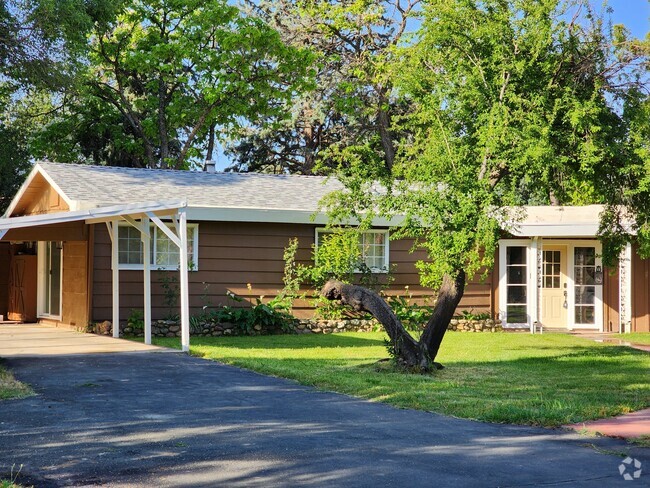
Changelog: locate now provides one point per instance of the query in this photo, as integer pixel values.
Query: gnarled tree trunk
(411, 353)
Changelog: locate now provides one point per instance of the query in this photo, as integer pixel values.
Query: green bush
(275, 314)
(470, 315)
(136, 319)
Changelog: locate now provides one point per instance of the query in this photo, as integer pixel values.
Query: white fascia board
(556, 230)
(90, 216)
(274, 216)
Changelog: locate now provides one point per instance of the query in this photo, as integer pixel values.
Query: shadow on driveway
(138, 419)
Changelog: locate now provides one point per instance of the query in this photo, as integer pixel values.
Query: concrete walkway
(628, 426)
(32, 340)
(171, 420)
(612, 338)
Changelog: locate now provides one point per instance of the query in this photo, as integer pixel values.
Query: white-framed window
(373, 245)
(164, 253)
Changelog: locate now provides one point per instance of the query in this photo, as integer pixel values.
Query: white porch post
(625, 289)
(534, 281)
(185, 306)
(146, 243)
(116, 277)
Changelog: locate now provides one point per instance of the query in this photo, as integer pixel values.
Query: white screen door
(50, 263)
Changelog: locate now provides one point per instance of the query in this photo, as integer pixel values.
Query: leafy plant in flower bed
(275, 314)
(412, 315)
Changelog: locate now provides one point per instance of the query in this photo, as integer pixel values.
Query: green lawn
(638, 337)
(12, 388)
(549, 379)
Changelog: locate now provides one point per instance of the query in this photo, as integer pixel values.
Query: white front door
(50, 273)
(555, 291)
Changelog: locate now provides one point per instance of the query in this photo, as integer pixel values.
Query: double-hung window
(164, 253)
(373, 247)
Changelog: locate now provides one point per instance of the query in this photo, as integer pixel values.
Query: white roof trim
(556, 230)
(275, 216)
(37, 169)
(91, 216)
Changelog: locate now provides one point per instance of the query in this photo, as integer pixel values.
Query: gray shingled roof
(103, 185)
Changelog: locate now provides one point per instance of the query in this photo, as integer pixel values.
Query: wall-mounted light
(598, 278)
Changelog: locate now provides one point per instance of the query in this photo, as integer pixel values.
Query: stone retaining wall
(463, 325)
(170, 328)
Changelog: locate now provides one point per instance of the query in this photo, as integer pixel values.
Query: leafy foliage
(346, 120)
(157, 84)
(510, 103)
(411, 314)
(274, 314)
(136, 319)
(14, 163)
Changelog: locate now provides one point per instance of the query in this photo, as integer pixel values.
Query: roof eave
(37, 169)
(92, 216)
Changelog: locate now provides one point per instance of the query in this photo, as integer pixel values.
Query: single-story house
(82, 244)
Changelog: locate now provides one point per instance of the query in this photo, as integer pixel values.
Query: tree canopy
(347, 119)
(158, 82)
(510, 103)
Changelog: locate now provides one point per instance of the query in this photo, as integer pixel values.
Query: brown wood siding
(233, 255)
(5, 261)
(610, 300)
(75, 284)
(640, 293)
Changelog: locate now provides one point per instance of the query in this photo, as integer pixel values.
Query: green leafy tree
(14, 162)
(176, 70)
(511, 102)
(40, 46)
(346, 119)
(157, 84)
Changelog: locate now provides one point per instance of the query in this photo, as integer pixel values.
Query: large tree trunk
(409, 352)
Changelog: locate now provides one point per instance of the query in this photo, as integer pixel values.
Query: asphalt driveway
(147, 419)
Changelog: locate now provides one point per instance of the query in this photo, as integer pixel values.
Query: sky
(635, 14)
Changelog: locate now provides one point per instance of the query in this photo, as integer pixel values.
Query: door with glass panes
(50, 272)
(555, 291)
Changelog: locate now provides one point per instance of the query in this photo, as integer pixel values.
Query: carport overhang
(138, 215)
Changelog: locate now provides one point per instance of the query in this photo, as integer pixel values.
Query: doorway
(50, 274)
(555, 288)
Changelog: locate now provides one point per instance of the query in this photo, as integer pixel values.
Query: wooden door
(22, 288)
(554, 286)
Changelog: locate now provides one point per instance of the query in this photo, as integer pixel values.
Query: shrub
(413, 316)
(136, 319)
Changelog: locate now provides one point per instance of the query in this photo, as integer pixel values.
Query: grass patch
(10, 387)
(11, 481)
(638, 337)
(550, 379)
(641, 441)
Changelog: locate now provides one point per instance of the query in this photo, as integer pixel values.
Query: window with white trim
(516, 285)
(373, 245)
(164, 253)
